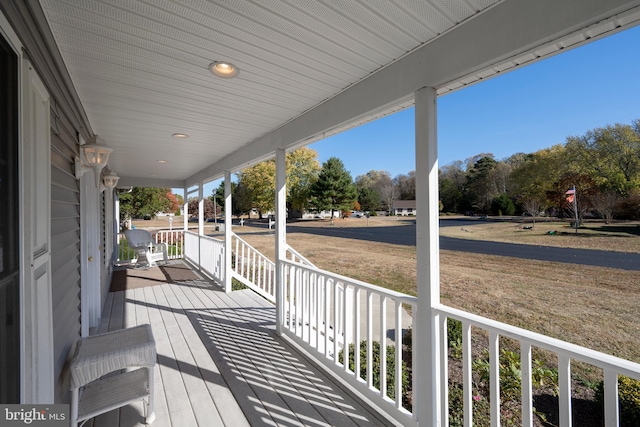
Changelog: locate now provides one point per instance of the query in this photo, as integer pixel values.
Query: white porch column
(200, 209)
(228, 206)
(428, 261)
(281, 233)
(185, 210)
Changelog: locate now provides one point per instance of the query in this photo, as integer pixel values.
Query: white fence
(327, 313)
(207, 253)
(212, 257)
(192, 247)
(253, 269)
(565, 352)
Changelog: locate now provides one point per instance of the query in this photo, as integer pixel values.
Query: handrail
(253, 269)
(331, 316)
(584, 354)
(406, 299)
(612, 366)
(174, 239)
(295, 254)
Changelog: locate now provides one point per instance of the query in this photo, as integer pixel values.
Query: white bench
(131, 354)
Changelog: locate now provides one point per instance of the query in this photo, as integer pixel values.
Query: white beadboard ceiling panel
(140, 67)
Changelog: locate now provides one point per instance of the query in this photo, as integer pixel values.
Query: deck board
(220, 363)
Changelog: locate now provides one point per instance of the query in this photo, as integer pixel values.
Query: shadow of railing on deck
(268, 379)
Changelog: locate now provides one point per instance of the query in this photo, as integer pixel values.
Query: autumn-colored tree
(173, 200)
(302, 171)
(534, 177)
(260, 180)
(610, 155)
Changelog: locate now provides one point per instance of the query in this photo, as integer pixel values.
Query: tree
(503, 205)
(370, 179)
(144, 201)
(260, 183)
(534, 177)
(532, 207)
(451, 183)
(406, 185)
(388, 193)
(241, 202)
(369, 199)
(481, 186)
(605, 204)
(259, 180)
(174, 205)
(610, 155)
(302, 171)
(585, 189)
(334, 188)
(207, 208)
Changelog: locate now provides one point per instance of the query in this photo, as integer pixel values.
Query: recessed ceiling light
(226, 70)
(180, 135)
(161, 161)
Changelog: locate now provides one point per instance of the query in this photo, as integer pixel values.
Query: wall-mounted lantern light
(93, 156)
(109, 181)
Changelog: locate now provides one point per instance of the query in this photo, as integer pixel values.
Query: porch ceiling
(140, 68)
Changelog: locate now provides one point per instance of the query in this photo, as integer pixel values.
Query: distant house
(404, 207)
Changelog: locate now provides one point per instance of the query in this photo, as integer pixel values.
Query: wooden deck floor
(221, 364)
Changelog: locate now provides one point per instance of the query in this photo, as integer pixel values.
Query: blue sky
(520, 111)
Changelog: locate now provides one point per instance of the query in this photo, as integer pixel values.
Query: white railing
(253, 269)
(212, 257)
(174, 239)
(192, 247)
(295, 256)
(327, 313)
(565, 352)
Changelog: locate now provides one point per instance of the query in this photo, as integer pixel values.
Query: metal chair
(142, 242)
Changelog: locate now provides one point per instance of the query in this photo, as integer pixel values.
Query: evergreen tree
(334, 188)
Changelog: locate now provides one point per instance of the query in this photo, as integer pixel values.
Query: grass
(621, 237)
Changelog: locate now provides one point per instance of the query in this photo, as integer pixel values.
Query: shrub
(454, 337)
(481, 408)
(628, 400)
(511, 374)
(391, 370)
(237, 285)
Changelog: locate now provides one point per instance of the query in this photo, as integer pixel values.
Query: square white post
(228, 206)
(281, 233)
(200, 209)
(185, 210)
(428, 381)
